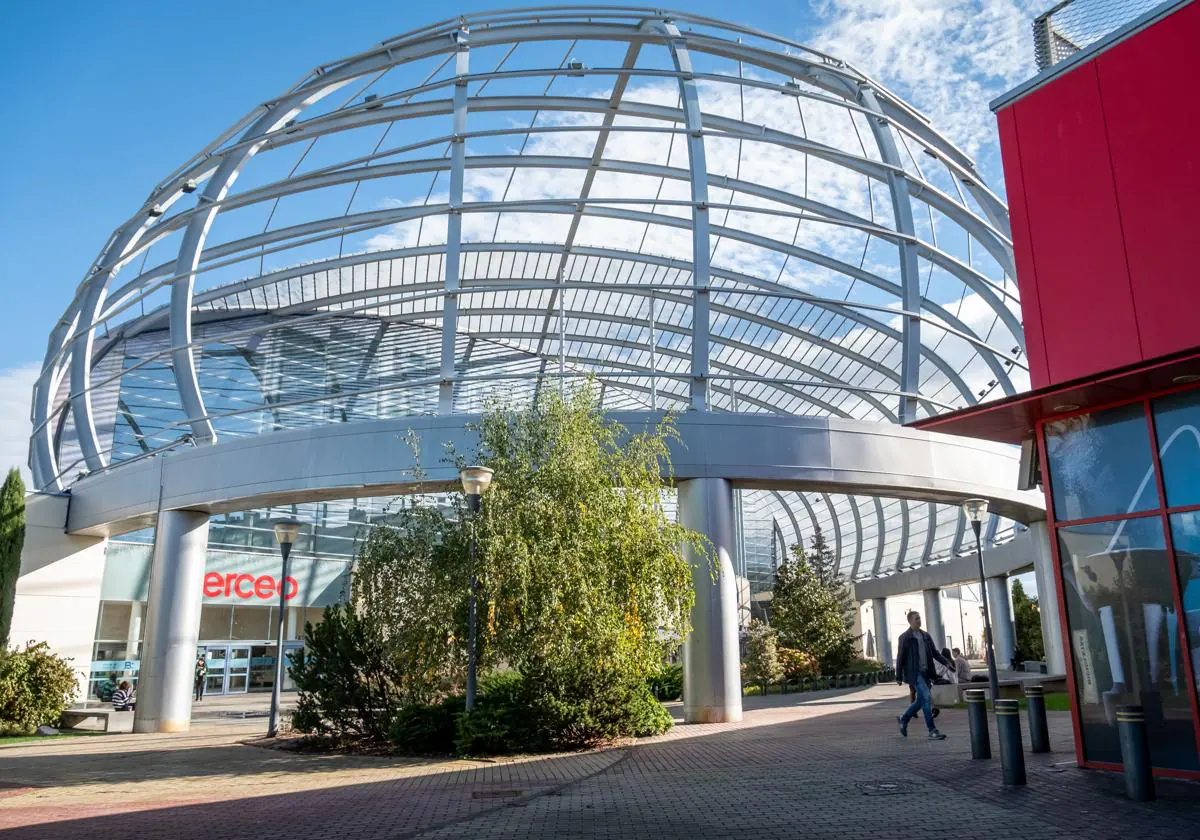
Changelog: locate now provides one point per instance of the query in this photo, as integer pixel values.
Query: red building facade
(1102, 166)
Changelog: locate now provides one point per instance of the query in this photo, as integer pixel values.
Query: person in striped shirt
(122, 698)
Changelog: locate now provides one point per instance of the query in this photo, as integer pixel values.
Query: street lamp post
(475, 482)
(285, 534)
(976, 510)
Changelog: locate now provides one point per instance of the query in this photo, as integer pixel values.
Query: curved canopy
(699, 216)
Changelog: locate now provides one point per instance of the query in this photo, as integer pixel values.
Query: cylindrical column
(933, 616)
(164, 696)
(1135, 753)
(883, 642)
(712, 691)
(1039, 732)
(1008, 727)
(1043, 570)
(981, 745)
(1001, 615)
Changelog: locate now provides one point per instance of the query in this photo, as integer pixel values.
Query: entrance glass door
(218, 656)
(237, 671)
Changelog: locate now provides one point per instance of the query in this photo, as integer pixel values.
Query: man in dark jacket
(915, 655)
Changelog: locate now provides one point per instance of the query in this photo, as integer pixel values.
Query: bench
(112, 720)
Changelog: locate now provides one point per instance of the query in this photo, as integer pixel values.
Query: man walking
(915, 655)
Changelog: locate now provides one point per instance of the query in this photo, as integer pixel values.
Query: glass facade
(1129, 558)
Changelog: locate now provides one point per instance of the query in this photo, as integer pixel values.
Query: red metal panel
(1087, 313)
(1152, 115)
(1023, 249)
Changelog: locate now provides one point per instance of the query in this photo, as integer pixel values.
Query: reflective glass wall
(1124, 488)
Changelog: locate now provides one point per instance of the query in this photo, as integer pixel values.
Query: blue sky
(110, 97)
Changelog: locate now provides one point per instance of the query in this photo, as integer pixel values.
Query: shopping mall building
(694, 217)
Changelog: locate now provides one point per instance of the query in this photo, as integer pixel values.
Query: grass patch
(13, 740)
(1057, 701)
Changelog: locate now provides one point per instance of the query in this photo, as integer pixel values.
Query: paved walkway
(811, 765)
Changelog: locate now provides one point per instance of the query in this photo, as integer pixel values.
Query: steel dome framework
(700, 216)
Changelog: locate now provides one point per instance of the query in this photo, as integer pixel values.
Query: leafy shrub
(762, 663)
(427, 729)
(798, 665)
(862, 666)
(36, 687)
(346, 684)
(513, 714)
(667, 682)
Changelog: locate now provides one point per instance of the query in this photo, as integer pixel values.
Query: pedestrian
(201, 676)
(915, 656)
(122, 699)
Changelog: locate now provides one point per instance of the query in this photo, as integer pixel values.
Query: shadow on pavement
(814, 768)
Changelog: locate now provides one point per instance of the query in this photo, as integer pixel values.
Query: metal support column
(698, 168)
(452, 283)
(883, 641)
(933, 616)
(1002, 622)
(910, 274)
(712, 689)
(164, 695)
(1043, 570)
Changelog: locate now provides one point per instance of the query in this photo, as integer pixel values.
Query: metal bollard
(1039, 732)
(1008, 727)
(1135, 752)
(981, 745)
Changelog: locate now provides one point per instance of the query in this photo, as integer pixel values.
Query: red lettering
(293, 588)
(264, 587)
(229, 579)
(212, 585)
(237, 586)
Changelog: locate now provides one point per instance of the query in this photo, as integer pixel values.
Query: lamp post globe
(975, 511)
(286, 531)
(475, 482)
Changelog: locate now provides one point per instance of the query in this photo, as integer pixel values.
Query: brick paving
(798, 766)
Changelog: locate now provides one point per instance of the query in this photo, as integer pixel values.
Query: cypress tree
(12, 538)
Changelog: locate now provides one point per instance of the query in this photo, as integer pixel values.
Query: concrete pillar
(933, 616)
(712, 686)
(293, 628)
(164, 697)
(883, 640)
(1000, 608)
(1043, 570)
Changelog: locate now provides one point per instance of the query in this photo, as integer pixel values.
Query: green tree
(762, 663)
(12, 539)
(811, 608)
(585, 587)
(1028, 623)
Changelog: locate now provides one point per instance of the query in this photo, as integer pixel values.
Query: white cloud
(16, 394)
(946, 57)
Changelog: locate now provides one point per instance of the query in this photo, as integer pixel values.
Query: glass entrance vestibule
(238, 668)
(1123, 497)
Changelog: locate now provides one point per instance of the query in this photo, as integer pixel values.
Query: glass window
(1185, 532)
(251, 623)
(1124, 638)
(1100, 464)
(114, 620)
(1177, 424)
(215, 621)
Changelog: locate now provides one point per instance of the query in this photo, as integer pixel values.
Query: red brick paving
(798, 766)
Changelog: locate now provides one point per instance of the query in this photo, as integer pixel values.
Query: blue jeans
(923, 703)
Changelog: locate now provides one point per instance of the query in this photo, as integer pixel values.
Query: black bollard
(1039, 733)
(1008, 727)
(981, 745)
(1135, 752)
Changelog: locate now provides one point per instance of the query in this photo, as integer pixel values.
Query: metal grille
(1074, 25)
